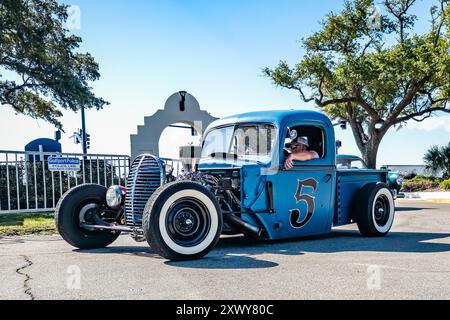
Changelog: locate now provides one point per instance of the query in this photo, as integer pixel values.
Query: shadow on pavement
(239, 252)
(144, 251)
(348, 240)
(244, 251)
(397, 209)
(226, 261)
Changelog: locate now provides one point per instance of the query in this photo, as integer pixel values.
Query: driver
(300, 152)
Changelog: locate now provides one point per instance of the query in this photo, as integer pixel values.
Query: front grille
(146, 175)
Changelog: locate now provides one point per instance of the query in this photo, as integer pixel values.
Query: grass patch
(19, 224)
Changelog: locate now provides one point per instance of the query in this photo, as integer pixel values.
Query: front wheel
(84, 205)
(374, 210)
(182, 221)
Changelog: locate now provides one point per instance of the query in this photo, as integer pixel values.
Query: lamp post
(83, 131)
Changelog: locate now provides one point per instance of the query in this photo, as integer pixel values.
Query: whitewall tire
(182, 220)
(374, 210)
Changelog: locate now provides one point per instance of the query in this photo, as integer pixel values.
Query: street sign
(64, 164)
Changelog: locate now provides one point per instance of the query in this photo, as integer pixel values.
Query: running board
(92, 227)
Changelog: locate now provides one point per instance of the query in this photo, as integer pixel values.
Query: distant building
(406, 169)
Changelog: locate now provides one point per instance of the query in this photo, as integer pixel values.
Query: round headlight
(115, 196)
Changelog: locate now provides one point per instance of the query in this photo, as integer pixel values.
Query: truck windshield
(253, 142)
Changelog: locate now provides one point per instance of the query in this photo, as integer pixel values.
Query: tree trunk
(370, 151)
(370, 158)
(367, 145)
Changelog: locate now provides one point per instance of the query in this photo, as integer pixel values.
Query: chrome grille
(146, 175)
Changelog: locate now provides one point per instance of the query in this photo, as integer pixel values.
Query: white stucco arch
(181, 107)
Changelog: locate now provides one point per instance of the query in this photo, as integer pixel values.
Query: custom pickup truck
(240, 185)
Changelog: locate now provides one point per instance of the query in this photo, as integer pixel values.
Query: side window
(358, 164)
(315, 137)
(343, 164)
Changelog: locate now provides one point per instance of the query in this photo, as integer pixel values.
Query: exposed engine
(148, 173)
(225, 185)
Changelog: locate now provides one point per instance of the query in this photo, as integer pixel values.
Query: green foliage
(438, 159)
(425, 183)
(354, 75)
(45, 72)
(445, 185)
(420, 184)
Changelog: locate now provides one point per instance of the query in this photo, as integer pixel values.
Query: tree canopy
(41, 70)
(370, 68)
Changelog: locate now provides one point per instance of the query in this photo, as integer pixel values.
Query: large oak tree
(373, 70)
(41, 70)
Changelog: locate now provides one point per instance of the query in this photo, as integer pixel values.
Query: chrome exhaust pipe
(247, 228)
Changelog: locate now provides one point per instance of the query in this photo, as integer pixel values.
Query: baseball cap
(302, 140)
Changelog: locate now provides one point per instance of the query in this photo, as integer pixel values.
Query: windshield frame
(246, 124)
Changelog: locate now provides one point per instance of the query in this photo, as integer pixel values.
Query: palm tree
(438, 159)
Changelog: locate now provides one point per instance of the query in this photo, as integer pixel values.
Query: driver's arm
(301, 156)
(304, 156)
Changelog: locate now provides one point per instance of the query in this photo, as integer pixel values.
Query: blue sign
(64, 164)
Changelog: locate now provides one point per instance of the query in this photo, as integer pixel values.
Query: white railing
(27, 185)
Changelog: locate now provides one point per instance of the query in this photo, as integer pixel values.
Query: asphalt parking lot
(413, 261)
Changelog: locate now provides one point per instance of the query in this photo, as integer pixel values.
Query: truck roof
(347, 156)
(278, 117)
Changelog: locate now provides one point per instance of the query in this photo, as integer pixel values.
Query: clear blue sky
(214, 49)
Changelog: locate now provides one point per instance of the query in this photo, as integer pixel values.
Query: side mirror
(342, 124)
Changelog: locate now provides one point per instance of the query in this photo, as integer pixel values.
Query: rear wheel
(182, 221)
(84, 205)
(374, 210)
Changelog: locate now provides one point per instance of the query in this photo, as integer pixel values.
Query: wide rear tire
(77, 203)
(374, 210)
(182, 221)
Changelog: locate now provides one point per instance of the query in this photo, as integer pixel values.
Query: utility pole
(83, 131)
(81, 136)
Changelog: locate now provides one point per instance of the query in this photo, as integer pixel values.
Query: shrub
(423, 177)
(445, 185)
(410, 175)
(419, 184)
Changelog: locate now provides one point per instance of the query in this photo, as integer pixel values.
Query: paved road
(412, 262)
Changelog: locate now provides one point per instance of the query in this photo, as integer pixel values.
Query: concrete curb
(427, 195)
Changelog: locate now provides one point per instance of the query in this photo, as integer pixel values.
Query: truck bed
(349, 182)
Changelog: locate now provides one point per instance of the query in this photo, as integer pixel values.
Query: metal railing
(176, 165)
(27, 184)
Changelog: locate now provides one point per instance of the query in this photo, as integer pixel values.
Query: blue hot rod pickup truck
(240, 185)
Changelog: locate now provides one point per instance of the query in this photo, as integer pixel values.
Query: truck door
(304, 195)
